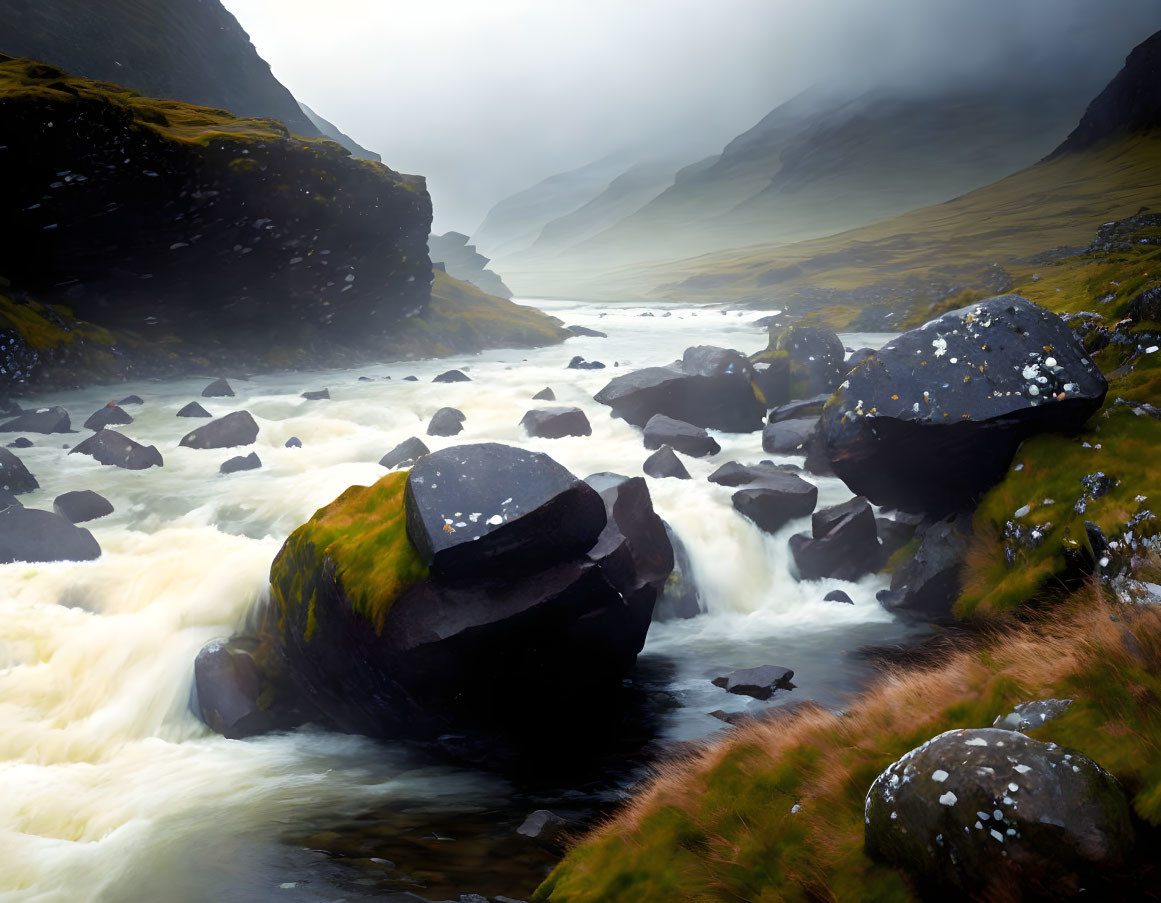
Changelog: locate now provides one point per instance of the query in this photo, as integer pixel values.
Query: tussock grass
(721, 825)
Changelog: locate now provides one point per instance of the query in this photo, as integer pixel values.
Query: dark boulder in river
(545, 394)
(681, 436)
(446, 422)
(237, 428)
(788, 437)
(579, 363)
(20, 442)
(556, 423)
(664, 463)
(219, 388)
(404, 454)
(452, 376)
(317, 395)
(131, 399)
(43, 420)
(28, 534)
(800, 361)
(112, 448)
(7, 499)
(109, 415)
(81, 506)
(226, 690)
(845, 543)
(775, 500)
(710, 387)
(932, 420)
(429, 598)
(14, 476)
(193, 409)
(241, 462)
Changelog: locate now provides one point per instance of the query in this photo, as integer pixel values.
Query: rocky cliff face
(193, 227)
(1130, 103)
(463, 261)
(191, 50)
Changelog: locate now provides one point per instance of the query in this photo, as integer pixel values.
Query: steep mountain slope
(514, 223)
(464, 262)
(330, 130)
(189, 50)
(981, 241)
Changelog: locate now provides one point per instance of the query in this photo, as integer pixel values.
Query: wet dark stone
(452, 376)
(193, 409)
(82, 505)
(796, 410)
(982, 812)
(634, 547)
(7, 498)
(927, 586)
(800, 362)
(42, 420)
(131, 399)
(109, 415)
(318, 395)
(446, 422)
(922, 427)
(585, 331)
(542, 825)
(14, 476)
(837, 595)
(510, 511)
(680, 598)
(760, 682)
(555, 423)
(710, 387)
(680, 436)
(579, 363)
(545, 394)
(664, 463)
(405, 453)
(409, 379)
(112, 448)
(241, 462)
(788, 437)
(20, 442)
(227, 684)
(28, 534)
(219, 388)
(776, 500)
(893, 535)
(237, 428)
(734, 473)
(292, 442)
(845, 543)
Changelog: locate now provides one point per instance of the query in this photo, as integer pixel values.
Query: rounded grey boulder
(14, 476)
(82, 506)
(110, 415)
(556, 423)
(446, 422)
(983, 811)
(237, 428)
(112, 448)
(28, 534)
(219, 388)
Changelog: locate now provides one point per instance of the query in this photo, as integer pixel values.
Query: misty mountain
(462, 261)
(822, 163)
(514, 224)
(186, 50)
(329, 130)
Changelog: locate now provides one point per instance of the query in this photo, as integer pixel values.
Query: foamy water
(110, 789)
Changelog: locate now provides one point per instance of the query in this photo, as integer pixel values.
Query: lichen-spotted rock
(989, 810)
(932, 420)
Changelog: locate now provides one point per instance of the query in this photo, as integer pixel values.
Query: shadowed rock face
(984, 811)
(228, 233)
(932, 420)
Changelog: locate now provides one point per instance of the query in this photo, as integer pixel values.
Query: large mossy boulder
(434, 596)
(932, 420)
(709, 387)
(800, 362)
(993, 814)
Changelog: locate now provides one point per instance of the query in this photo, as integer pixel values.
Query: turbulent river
(111, 789)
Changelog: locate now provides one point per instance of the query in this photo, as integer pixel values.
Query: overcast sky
(486, 97)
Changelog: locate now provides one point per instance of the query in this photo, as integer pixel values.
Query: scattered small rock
(837, 595)
(20, 442)
(219, 388)
(542, 825)
(241, 462)
(760, 682)
(319, 395)
(292, 442)
(193, 409)
(579, 363)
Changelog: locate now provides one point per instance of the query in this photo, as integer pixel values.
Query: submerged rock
(985, 811)
(404, 454)
(28, 534)
(734, 473)
(241, 462)
(585, 331)
(14, 476)
(446, 422)
(219, 388)
(664, 463)
(131, 399)
(112, 448)
(318, 395)
(193, 409)
(681, 436)
(237, 428)
(710, 387)
(555, 423)
(776, 500)
(452, 376)
(579, 363)
(932, 420)
(43, 420)
(83, 505)
(545, 394)
(109, 415)
(20, 442)
(760, 682)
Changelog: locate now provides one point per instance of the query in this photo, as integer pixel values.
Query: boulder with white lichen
(932, 420)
